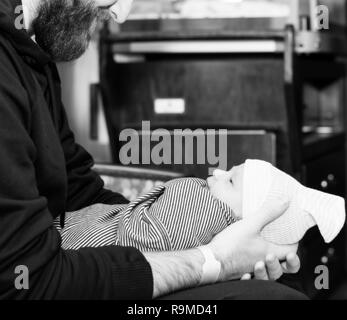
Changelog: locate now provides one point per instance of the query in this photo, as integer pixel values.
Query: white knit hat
(307, 207)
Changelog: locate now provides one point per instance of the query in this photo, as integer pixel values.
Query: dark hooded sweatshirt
(43, 174)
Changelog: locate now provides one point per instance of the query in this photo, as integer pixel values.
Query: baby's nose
(218, 173)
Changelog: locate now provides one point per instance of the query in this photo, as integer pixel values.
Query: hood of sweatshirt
(11, 16)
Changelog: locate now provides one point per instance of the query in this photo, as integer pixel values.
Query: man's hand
(240, 247)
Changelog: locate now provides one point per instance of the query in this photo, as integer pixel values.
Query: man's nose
(120, 10)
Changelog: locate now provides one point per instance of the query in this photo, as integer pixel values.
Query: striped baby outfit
(178, 215)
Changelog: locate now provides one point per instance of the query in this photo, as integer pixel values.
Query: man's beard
(63, 28)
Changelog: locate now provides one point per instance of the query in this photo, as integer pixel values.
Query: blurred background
(270, 72)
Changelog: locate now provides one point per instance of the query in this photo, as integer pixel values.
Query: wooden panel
(219, 91)
(218, 25)
(242, 91)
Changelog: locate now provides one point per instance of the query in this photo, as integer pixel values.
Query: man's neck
(30, 8)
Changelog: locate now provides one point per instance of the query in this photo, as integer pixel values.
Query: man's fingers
(292, 263)
(282, 251)
(260, 272)
(274, 268)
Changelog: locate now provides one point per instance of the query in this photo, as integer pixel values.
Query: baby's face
(227, 186)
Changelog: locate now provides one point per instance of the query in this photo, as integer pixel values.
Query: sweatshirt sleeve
(27, 235)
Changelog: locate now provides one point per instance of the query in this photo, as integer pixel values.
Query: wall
(76, 78)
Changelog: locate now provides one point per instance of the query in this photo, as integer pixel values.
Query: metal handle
(94, 110)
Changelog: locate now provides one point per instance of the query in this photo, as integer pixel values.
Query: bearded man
(44, 173)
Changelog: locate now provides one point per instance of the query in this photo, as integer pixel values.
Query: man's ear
(121, 10)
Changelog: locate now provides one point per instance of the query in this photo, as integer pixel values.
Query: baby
(189, 212)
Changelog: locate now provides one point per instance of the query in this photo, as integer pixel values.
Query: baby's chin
(237, 213)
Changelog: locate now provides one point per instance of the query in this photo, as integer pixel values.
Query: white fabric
(308, 207)
(211, 267)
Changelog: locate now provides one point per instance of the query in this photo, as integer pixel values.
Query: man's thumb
(272, 209)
